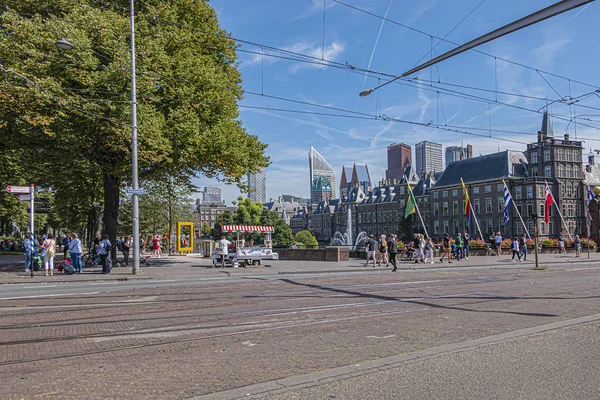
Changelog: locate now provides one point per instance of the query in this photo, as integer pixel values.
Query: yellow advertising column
(185, 237)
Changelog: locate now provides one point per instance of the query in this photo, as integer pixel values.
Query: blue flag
(507, 202)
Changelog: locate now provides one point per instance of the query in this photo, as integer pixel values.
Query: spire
(546, 126)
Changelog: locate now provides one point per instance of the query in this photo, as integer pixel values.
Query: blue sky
(563, 45)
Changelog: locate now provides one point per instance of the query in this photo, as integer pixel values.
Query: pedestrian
(514, 246)
(76, 250)
(428, 250)
(459, 247)
(48, 248)
(155, 246)
(467, 244)
(577, 245)
(446, 249)
(104, 250)
(417, 245)
(498, 241)
(160, 253)
(28, 249)
(224, 246)
(371, 250)
(523, 248)
(561, 243)
(393, 249)
(65, 243)
(383, 250)
(125, 247)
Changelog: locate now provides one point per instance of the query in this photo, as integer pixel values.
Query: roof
(288, 206)
(547, 126)
(426, 183)
(381, 194)
(507, 163)
(356, 195)
(362, 173)
(409, 172)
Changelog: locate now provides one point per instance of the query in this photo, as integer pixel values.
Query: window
(490, 225)
(542, 210)
(542, 231)
(548, 171)
(534, 171)
(518, 193)
(464, 204)
(578, 211)
(519, 210)
(547, 155)
(455, 208)
(488, 188)
(500, 204)
(541, 192)
(561, 171)
(445, 208)
(561, 155)
(569, 192)
(436, 227)
(501, 225)
(530, 209)
(550, 228)
(476, 190)
(436, 209)
(500, 187)
(476, 206)
(576, 155)
(569, 171)
(445, 193)
(570, 211)
(534, 156)
(530, 192)
(576, 172)
(488, 205)
(568, 155)
(455, 225)
(519, 229)
(455, 192)
(446, 226)
(436, 195)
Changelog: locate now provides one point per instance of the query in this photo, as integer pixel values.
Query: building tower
(399, 156)
(258, 186)
(428, 157)
(322, 178)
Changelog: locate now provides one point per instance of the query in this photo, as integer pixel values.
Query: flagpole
(472, 211)
(558, 208)
(518, 213)
(416, 206)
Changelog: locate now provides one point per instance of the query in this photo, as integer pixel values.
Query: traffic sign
(18, 189)
(136, 191)
(24, 197)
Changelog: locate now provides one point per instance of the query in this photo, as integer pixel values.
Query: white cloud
(426, 103)
(545, 54)
(331, 52)
(315, 7)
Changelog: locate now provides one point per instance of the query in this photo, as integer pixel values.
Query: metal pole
(535, 240)
(135, 223)
(31, 223)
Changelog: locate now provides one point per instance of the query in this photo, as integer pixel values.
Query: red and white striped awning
(246, 228)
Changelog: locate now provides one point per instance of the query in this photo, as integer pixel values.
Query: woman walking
(104, 251)
(577, 245)
(48, 247)
(383, 251)
(76, 250)
(515, 249)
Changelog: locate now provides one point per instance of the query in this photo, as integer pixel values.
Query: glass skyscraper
(322, 178)
(258, 186)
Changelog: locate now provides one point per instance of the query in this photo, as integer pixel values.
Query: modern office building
(457, 153)
(210, 194)
(428, 157)
(258, 186)
(322, 178)
(399, 156)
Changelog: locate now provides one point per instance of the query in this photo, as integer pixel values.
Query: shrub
(477, 244)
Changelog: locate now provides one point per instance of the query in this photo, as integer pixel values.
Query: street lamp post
(135, 222)
(535, 238)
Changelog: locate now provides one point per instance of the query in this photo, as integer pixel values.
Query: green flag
(411, 205)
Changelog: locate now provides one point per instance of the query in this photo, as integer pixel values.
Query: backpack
(120, 245)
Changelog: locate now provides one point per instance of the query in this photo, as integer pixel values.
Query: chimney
(591, 160)
(469, 151)
(566, 137)
(540, 136)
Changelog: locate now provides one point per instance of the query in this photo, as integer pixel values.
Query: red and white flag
(549, 201)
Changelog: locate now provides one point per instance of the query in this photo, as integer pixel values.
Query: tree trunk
(111, 211)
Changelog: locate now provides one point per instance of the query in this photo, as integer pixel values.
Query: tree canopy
(66, 114)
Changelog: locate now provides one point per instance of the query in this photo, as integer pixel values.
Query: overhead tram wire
(457, 44)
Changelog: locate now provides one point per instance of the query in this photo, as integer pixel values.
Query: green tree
(206, 229)
(75, 105)
(282, 237)
(306, 237)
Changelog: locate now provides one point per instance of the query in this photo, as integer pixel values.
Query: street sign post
(24, 197)
(18, 189)
(135, 191)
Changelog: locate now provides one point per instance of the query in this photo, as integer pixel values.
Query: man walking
(28, 249)
(393, 248)
(523, 244)
(467, 244)
(498, 241)
(446, 248)
(371, 246)
(459, 247)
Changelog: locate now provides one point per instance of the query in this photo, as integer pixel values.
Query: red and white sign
(246, 228)
(18, 189)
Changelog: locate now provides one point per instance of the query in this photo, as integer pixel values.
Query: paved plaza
(301, 330)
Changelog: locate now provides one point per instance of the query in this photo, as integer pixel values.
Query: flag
(467, 202)
(590, 197)
(507, 202)
(548, 202)
(411, 205)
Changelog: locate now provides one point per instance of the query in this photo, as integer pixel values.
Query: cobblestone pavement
(184, 341)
